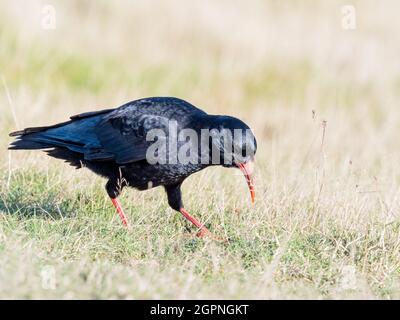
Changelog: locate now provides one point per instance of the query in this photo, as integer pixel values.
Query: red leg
(203, 231)
(121, 213)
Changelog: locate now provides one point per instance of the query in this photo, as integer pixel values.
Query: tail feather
(27, 139)
(37, 129)
(44, 140)
(73, 118)
(27, 131)
(21, 144)
(77, 135)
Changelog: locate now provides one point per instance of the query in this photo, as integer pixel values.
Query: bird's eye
(244, 152)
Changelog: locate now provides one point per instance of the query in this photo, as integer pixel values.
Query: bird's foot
(204, 232)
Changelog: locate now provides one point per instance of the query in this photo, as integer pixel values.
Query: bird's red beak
(248, 169)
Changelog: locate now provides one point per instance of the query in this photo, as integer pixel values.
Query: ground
(321, 95)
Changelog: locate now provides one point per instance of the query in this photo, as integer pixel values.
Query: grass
(323, 103)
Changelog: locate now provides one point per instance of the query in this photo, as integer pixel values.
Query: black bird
(115, 144)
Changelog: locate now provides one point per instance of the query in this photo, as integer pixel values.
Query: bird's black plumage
(113, 144)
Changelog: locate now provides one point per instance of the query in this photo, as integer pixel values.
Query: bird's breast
(145, 176)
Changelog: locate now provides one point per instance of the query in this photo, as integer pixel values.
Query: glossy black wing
(124, 136)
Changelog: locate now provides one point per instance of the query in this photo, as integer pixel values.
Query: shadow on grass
(44, 207)
(29, 196)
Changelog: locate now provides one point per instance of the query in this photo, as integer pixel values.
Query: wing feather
(125, 136)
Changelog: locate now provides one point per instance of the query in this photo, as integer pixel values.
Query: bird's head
(235, 144)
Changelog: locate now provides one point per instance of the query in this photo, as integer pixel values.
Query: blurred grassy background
(322, 100)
